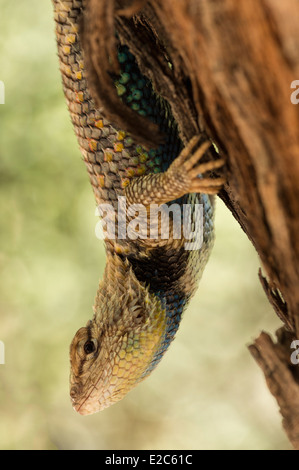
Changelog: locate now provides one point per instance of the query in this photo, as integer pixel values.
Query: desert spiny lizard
(147, 281)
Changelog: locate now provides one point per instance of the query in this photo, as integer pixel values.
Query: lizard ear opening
(138, 314)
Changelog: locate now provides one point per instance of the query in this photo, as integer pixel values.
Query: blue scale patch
(174, 311)
(137, 92)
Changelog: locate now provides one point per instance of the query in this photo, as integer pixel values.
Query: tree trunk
(232, 66)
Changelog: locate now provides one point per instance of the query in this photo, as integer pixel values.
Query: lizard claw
(193, 171)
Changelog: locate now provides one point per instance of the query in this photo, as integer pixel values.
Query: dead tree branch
(226, 67)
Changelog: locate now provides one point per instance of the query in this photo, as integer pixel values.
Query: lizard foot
(189, 171)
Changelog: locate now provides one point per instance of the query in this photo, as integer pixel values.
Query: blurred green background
(207, 393)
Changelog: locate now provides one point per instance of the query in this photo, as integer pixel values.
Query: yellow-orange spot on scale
(66, 50)
(80, 96)
(119, 250)
(115, 370)
(141, 170)
(124, 182)
(70, 38)
(130, 171)
(93, 145)
(108, 156)
(66, 70)
(143, 157)
(121, 135)
(101, 181)
(118, 147)
(99, 123)
(78, 75)
(81, 64)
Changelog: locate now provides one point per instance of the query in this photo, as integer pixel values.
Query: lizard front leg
(182, 177)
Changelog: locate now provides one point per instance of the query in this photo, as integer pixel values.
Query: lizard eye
(89, 347)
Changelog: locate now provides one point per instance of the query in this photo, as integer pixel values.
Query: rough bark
(233, 62)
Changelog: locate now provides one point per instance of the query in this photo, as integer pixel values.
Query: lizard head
(114, 351)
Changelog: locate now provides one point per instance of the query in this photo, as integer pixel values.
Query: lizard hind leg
(189, 170)
(181, 178)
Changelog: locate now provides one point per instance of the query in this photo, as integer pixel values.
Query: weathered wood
(241, 58)
(282, 378)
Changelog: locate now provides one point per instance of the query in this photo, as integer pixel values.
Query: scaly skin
(148, 282)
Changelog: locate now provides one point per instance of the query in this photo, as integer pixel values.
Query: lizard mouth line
(78, 405)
